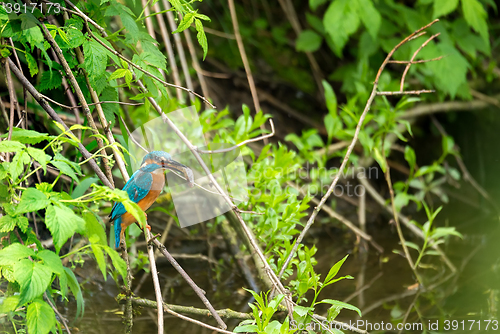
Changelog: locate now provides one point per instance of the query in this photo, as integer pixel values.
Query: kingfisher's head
(163, 160)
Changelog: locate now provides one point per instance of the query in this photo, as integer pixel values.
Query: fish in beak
(180, 168)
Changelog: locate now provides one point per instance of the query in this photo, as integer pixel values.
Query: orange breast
(149, 199)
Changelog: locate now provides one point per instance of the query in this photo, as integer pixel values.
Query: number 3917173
(16, 8)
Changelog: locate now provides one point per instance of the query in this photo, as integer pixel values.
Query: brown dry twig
(373, 94)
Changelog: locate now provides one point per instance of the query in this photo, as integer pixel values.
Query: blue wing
(137, 187)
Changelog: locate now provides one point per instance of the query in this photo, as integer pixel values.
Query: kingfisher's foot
(148, 227)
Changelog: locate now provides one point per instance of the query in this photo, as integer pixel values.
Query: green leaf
(314, 4)
(83, 186)
(11, 146)
(33, 278)
(246, 328)
(50, 80)
(186, 22)
(117, 261)
(410, 157)
(52, 260)
(369, 16)
(379, 158)
(62, 223)
(32, 200)
(92, 227)
(8, 223)
(38, 155)
(444, 7)
(476, 16)
(26, 136)
(334, 270)
(99, 257)
(308, 41)
(17, 166)
(96, 58)
(202, 38)
(110, 110)
(40, 317)
(32, 64)
(119, 73)
(76, 291)
(65, 169)
(13, 253)
(330, 97)
(75, 37)
(9, 304)
(340, 21)
(341, 305)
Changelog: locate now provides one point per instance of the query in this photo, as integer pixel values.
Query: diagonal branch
(373, 94)
(44, 104)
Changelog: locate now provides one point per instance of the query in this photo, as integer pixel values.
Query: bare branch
(43, 103)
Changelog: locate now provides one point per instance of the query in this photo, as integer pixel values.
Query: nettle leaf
(444, 7)
(308, 41)
(11, 146)
(13, 253)
(96, 59)
(50, 80)
(340, 21)
(8, 223)
(33, 278)
(17, 166)
(62, 223)
(186, 22)
(202, 38)
(26, 137)
(476, 16)
(38, 155)
(341, 305)
(110, 109)
(65, 169)
(75, 37)
(153, 56)
(32, 200)
(52, 260)
(369, 16)
(40, 317)
(32, 64)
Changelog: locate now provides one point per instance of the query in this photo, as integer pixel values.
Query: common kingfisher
(144, 187)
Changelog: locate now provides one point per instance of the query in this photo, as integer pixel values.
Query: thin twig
(13, 101)
(156, 282)
(116, 53)
(43, 103)
(408, 92)
(90, 104)
(81, 98)
(349, 149)
(63, 320)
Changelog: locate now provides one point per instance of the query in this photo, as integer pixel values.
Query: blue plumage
(148, 180)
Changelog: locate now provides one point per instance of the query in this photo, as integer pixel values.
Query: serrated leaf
(117, 261)
(444, 7)
(75, 37)
(65, 169)
(96, 58)
(92, 227)
(52, 260)
(62, 223)
(33, 278)
(40, 317)
(110, 109)
(13, 253)
(202, 38)
(370, 17)
(119, 73)
(9, 304)
(32, 64)
(186, 22)
(11, 146)
(38, 155)
(340, 21)
(17, 165)
(476, 16)
(308, 41)
(32, 200)
(50, 80)
(8, 223)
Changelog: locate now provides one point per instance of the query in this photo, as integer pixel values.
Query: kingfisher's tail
(118, 231)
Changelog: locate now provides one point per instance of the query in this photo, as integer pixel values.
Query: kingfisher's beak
(180, 168)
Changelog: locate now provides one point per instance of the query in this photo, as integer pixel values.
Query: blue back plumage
(137, 187)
